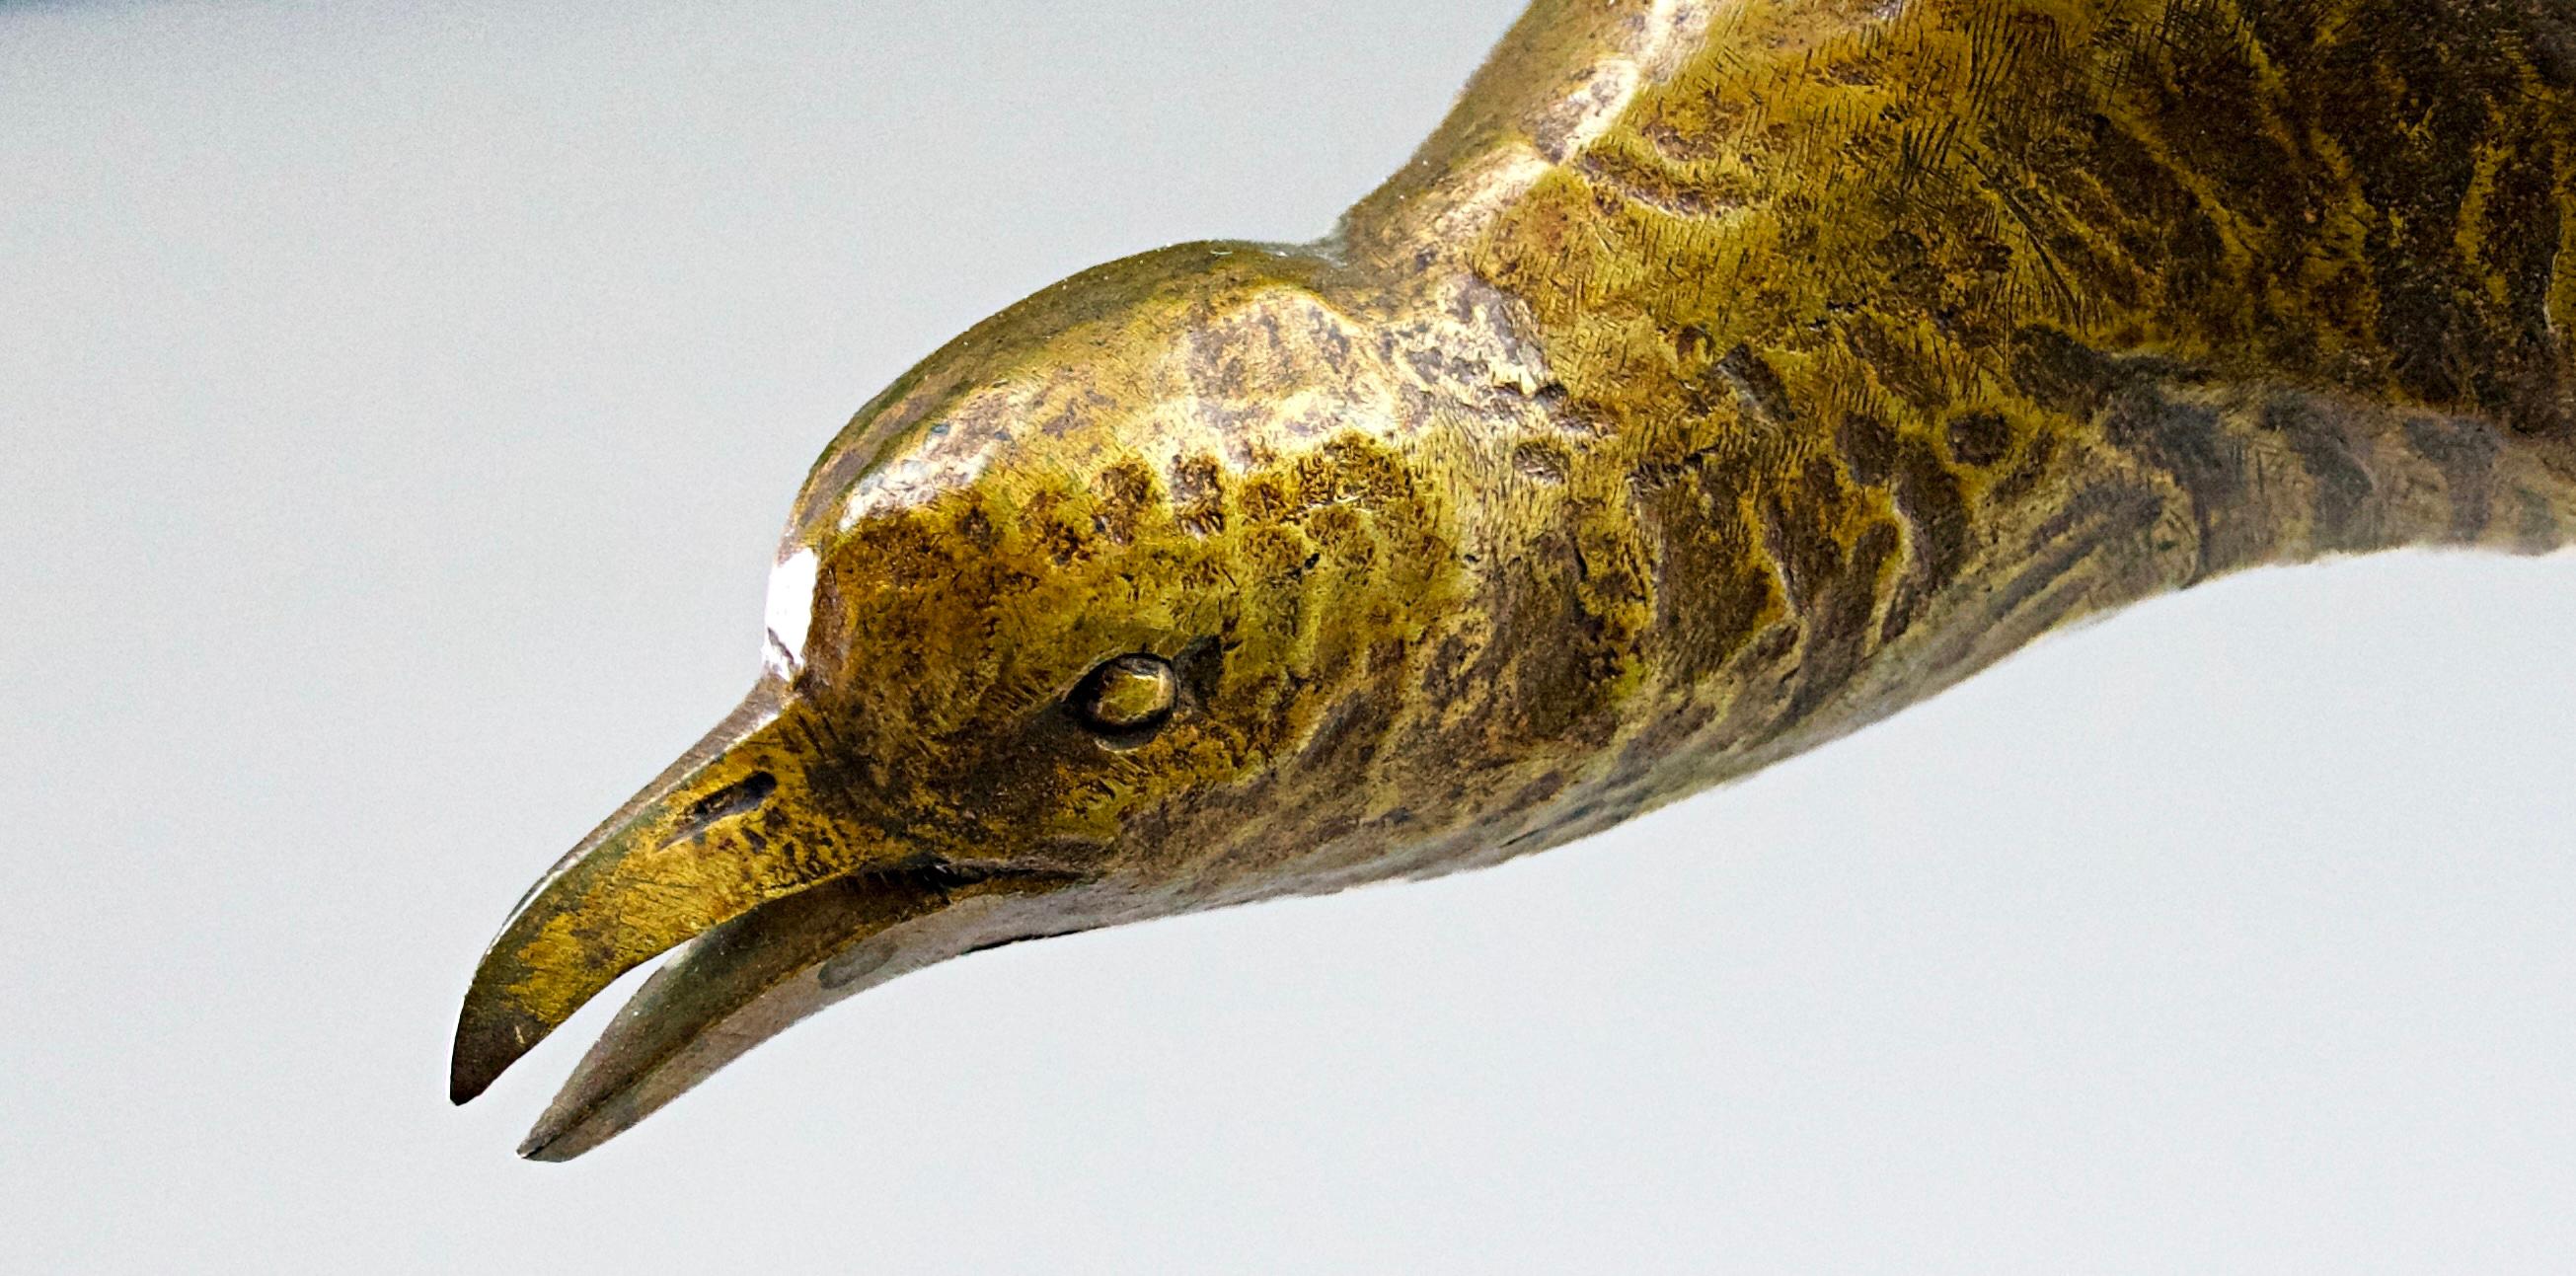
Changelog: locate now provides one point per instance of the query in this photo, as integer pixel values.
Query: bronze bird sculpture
(1722, 376)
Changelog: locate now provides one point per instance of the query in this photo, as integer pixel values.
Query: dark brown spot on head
(1125, 489)
(1691, 348)
(1758, 384)
(2060, 373)
(1198, 495)
(1928, 495)
(1264, 500)
(1869, 447)
(2037, 457)
(975, 527)
(1979, 439)
(1838, 634)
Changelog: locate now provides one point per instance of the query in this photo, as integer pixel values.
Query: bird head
(1105, 611)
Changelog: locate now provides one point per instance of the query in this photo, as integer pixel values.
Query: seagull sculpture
(1722, 376)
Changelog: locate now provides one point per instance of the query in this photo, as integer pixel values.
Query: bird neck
(1853, 346)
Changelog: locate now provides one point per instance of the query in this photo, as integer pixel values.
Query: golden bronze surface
(1722, 376)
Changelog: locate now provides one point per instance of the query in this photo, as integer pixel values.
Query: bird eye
(1127, 695)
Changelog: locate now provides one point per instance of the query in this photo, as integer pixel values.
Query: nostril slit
(733, 799)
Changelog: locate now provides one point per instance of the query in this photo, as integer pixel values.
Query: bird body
(1721, 377)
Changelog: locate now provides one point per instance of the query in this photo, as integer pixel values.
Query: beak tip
(558, 1138)
(483, 1051)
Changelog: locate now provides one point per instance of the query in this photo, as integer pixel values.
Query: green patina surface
(1720, 378)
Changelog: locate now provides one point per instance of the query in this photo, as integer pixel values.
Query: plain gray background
(400, 402)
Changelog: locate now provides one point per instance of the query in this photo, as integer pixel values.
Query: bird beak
(717, 833)
(746, 821)
(747, 979)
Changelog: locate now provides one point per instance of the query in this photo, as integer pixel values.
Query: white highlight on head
(790, 612)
